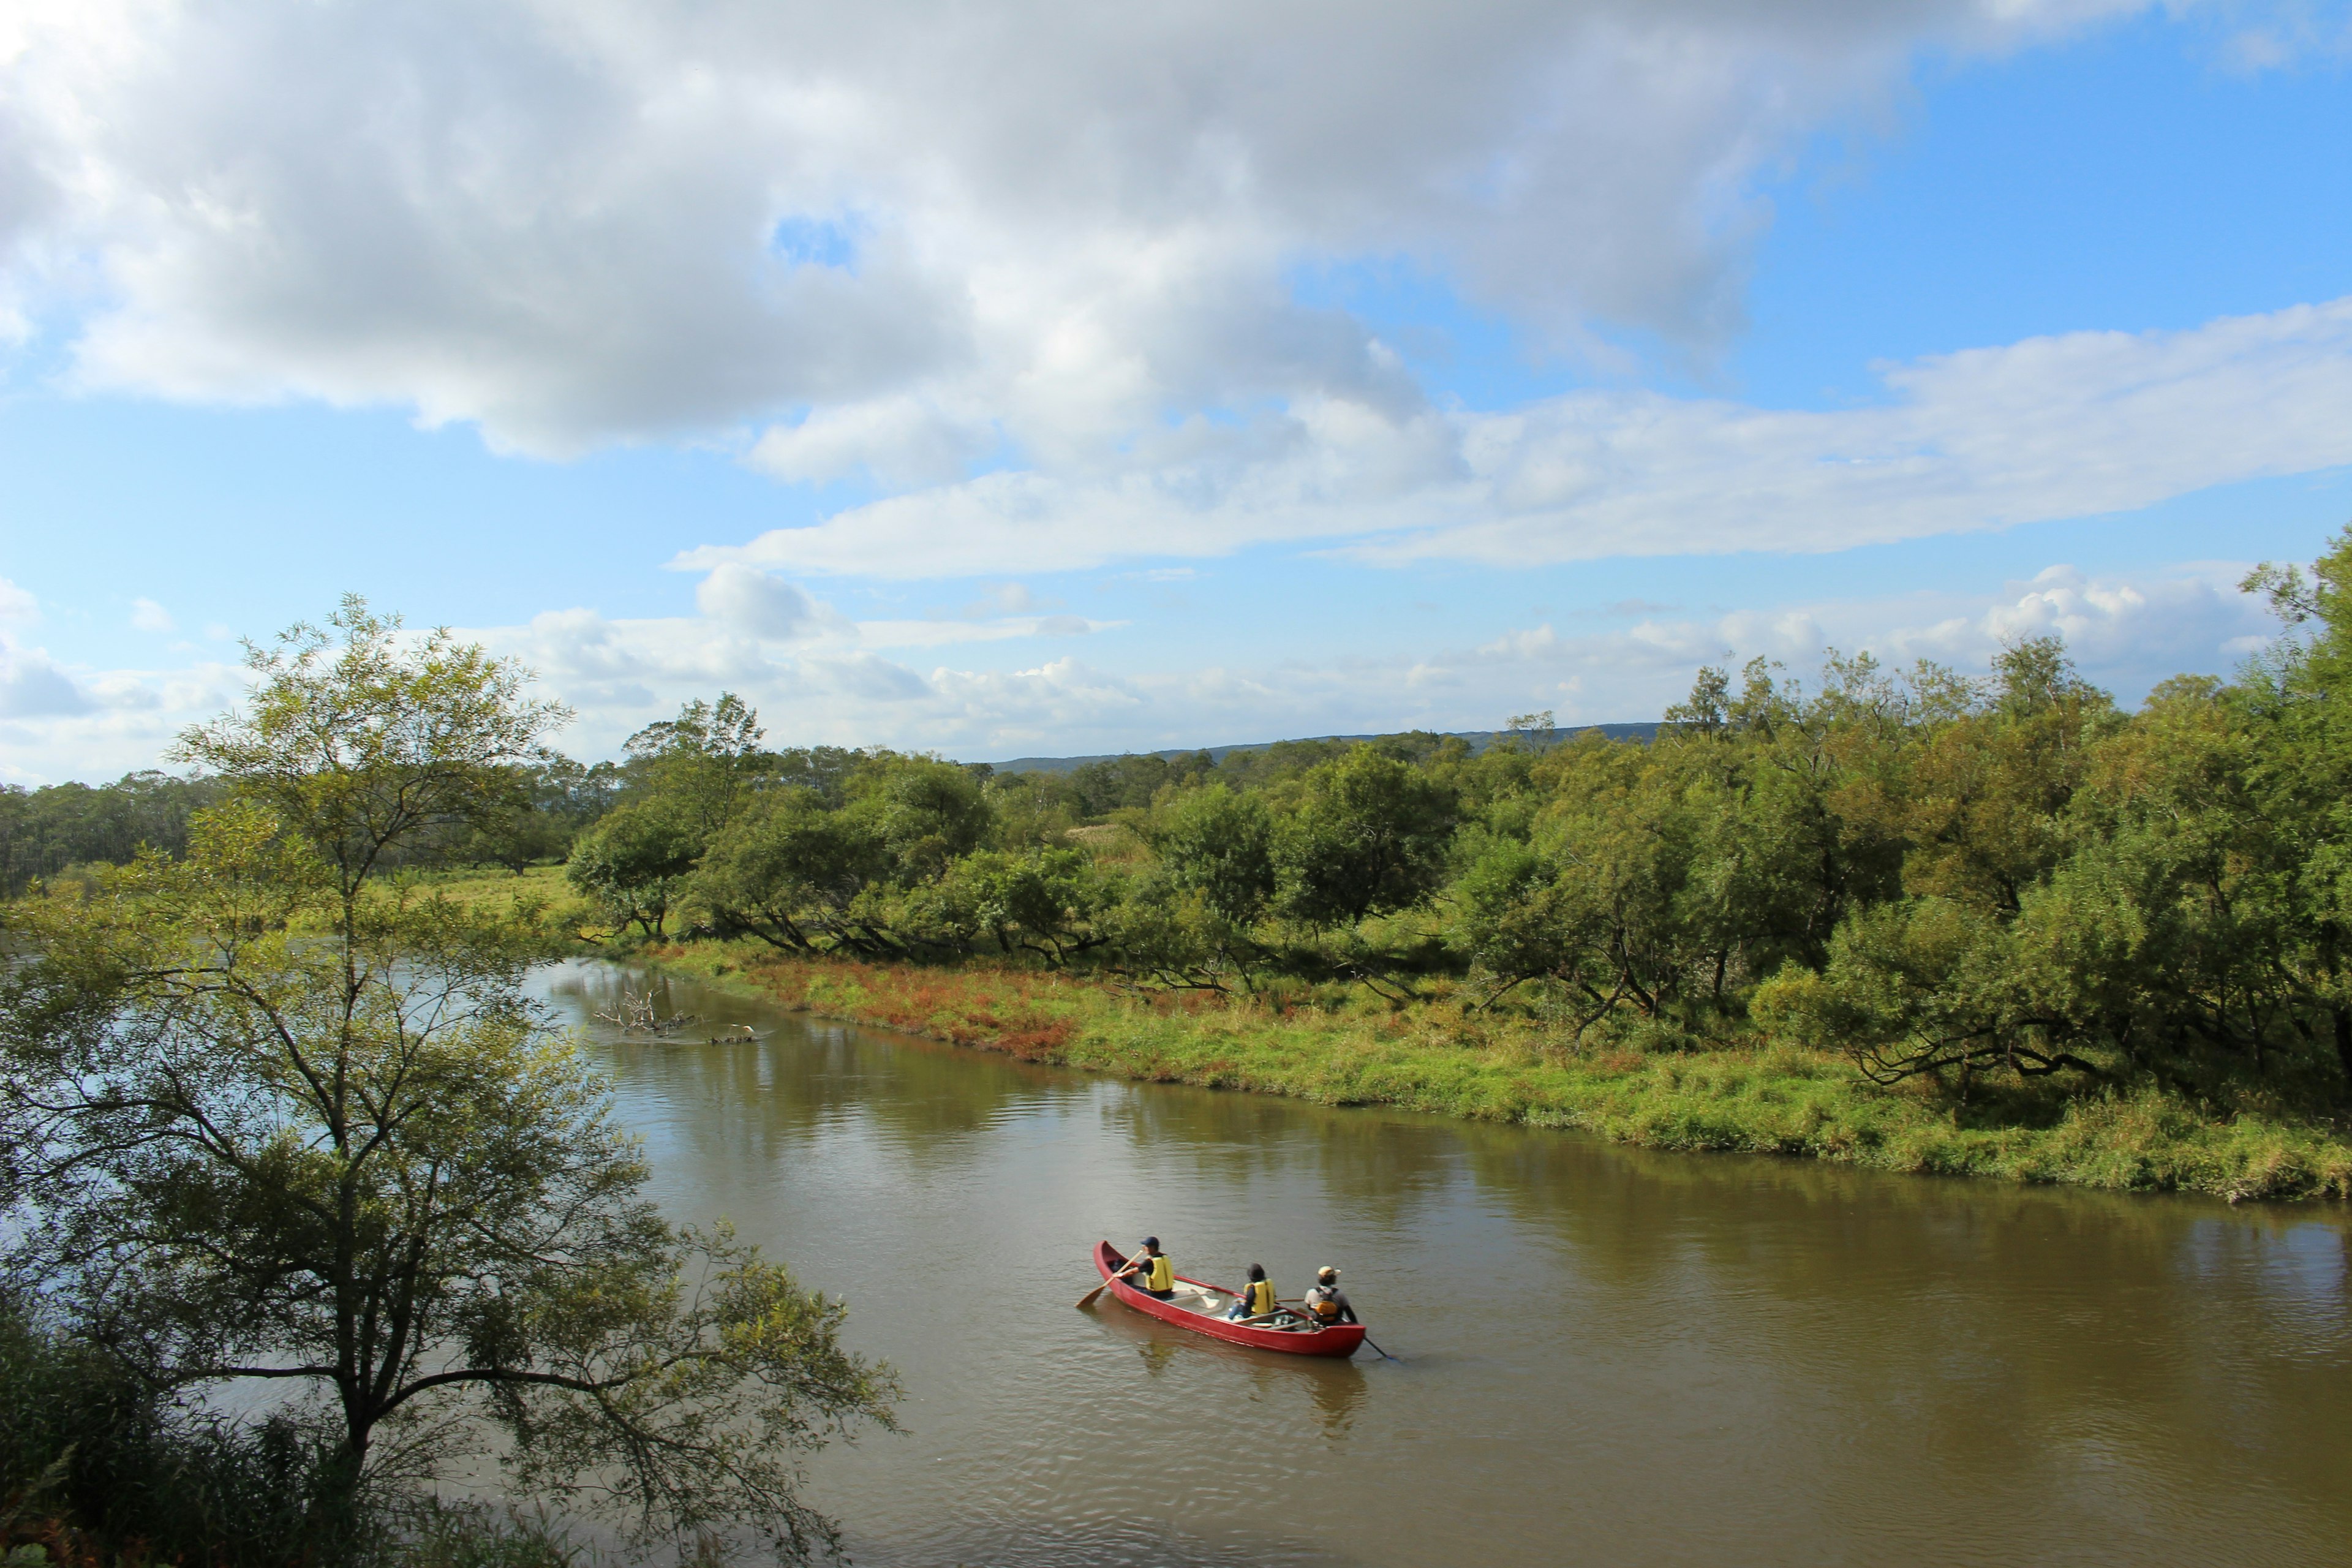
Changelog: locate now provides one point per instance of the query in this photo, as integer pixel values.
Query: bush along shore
(1442, 1057)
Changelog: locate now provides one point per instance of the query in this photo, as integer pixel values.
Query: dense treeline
(1938, 874)
(60, 832)
(44, 833)
(1994, 876)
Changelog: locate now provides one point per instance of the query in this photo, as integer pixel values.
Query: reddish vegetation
(1008, 1010)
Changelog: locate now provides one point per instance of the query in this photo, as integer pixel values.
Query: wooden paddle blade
(1090, 1295)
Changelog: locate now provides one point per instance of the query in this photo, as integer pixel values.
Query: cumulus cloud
(755, 602)
(896, 440)
(1025, 269)
(610, 221)
(2127, 630)
(16, 604)
(2067, 425)
(33, 687)
(147, 616)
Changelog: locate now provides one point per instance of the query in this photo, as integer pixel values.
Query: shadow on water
(1284, 1390)
(1611, 1355)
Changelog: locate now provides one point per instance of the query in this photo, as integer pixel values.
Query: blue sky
(1047, 389)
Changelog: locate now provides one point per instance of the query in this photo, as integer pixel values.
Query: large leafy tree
(791, 872)
(1366, 836)
(265, 1117)
(1219, 844)
(636, 862)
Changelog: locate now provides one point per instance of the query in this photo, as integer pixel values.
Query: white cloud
(931, 228)
(147, 616)
(2070, 425)
(899, 441)
(867, 677)
(60, 721)
(757, 605)
(1005, 599)
(16, 604)
(939, 634)
(2127, 630)
(33, 687)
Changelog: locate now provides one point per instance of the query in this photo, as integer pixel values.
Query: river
(1606, 1355)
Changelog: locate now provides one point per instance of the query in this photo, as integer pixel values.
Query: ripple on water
(1611, 1356)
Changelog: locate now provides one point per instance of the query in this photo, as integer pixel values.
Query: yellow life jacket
(1159, 1274)
(1259, 1297)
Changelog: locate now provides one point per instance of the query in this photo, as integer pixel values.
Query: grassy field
(556, 905)
(1339, 1049)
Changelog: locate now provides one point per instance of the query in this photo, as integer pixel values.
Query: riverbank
(1764, 1098)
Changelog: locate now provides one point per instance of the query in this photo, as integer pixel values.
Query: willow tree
(264, 1114)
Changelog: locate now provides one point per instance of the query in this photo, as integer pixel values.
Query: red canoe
(1203, 1307)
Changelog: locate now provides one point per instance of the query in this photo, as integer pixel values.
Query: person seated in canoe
(1256, 1299)
(1325, 1302)
(1150, 1271)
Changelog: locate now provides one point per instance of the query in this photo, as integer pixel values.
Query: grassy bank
(1338, 1049)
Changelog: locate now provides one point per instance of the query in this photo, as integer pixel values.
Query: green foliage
(1937, 875)
(1220, 844)
(699, 763)
(358, 745)
(1132, 783)
(44, 831)
(274, 1118)
(1046, 901)
(86, 1448)
(925, 813)
(790, 870)
(636, 860)
(1366, 835)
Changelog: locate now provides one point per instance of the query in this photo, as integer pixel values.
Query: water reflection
(1610, 1356)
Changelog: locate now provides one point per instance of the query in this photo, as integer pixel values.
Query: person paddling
(1256, 1299)
(1151, 1271)
(1326, 1302)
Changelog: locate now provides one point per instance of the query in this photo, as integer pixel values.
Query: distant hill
(1479, 741)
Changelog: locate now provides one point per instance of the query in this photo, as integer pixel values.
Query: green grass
(1757, 1096)
(563, 910)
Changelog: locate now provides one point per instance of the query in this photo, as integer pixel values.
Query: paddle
(1312, 1318)
(1098, 1290)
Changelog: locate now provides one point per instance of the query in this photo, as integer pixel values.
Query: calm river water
(1607, 1356)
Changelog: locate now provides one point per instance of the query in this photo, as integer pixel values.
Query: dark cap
(1150, 1241)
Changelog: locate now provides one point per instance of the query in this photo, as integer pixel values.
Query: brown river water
(1606, 1355)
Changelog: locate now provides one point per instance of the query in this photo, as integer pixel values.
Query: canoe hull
(1338, 1339)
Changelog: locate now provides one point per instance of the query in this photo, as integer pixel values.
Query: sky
(1051, 379)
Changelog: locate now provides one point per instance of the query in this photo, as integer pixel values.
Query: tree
(271, 1119)
(1221, 844)
(636, 860)
(44, 831)
(929, 813)
(789, 870)
(1367, 836)
(1044, 900)
(701, 762)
